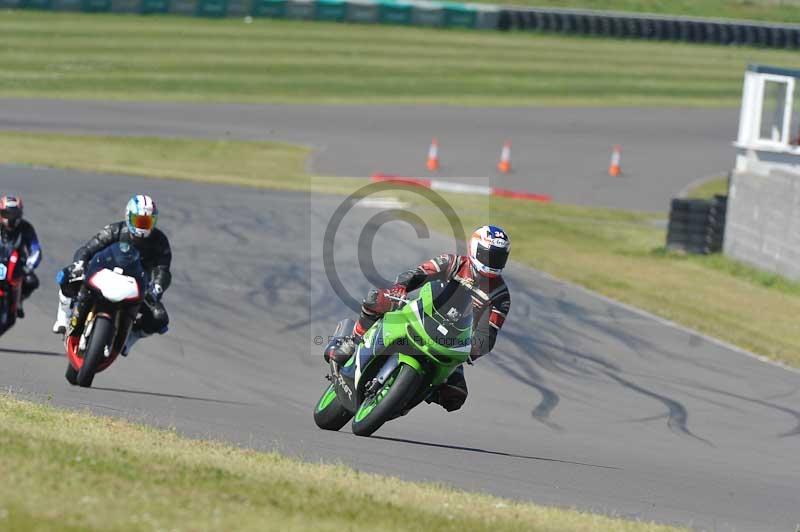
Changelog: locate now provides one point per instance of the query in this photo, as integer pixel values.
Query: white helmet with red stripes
(141, 215)
(488, 250)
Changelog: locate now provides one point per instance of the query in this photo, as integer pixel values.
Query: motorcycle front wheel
(102, 333)
(390, 398)
(330, 414)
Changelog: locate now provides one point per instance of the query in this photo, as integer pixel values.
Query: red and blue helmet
(10, 211)
(489, 247)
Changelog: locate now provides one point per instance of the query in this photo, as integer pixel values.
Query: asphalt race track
(564, 152)
(583, 403)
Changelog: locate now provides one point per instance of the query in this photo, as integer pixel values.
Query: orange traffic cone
(505, 158)
(433, 156)
(614, 169)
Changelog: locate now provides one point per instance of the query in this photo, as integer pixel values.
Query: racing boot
(343, 350)
(62, 317)
(452, 393)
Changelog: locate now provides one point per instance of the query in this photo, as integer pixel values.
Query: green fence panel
(96, 6)
(154, 6)
(269, 8)
(459, 16)
(395, 13)
(302, 9)
(211, 8)
(37, 4)
(238, 8)
(67, 5)
(335, 10)
(362, 11)
(428, 14)
(183, 7)
(125, 6)
(10, 4)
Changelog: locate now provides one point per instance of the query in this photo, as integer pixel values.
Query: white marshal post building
(763, 215)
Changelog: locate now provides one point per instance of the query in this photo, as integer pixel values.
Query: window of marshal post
(772, 111)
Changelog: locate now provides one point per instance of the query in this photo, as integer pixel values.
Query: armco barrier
(433, 13)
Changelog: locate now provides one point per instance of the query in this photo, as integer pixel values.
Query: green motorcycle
(404, 357)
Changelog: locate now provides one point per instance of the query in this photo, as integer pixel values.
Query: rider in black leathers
(156, 256)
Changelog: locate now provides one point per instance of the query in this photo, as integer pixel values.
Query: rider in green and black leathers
(488, 252)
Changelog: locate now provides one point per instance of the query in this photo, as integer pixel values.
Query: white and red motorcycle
(115, 282)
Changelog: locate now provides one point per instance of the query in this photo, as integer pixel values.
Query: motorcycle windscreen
(119, 257)
(115, 286)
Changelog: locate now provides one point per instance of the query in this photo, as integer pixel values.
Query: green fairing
(431, 341)
(395, 324)
(326, 399)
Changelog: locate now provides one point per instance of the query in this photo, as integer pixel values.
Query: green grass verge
(65, 470)
(621, 254)
(617, 253)
(63, 55)
(242, 163)
(717, 186)
(774, 10)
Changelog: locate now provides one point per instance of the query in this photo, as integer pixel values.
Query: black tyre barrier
(712, 33)
(504, 20)
(726, 34)
(684, 217)
(794, 38)
(633, 28)
(534, 21)
(556, 23)
(648, 29)
(582, 24)
(697, 225)
(661, 28)
(570, 24)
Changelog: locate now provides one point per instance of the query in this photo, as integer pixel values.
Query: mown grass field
(617, 253)
(171, 58)
(70, 471)
(774, 10)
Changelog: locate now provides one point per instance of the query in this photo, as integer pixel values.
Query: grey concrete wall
(763, 222)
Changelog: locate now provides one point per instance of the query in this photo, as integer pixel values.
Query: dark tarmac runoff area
(563, 152)
(584, 402)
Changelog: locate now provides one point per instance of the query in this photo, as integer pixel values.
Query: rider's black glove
(75, 270)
